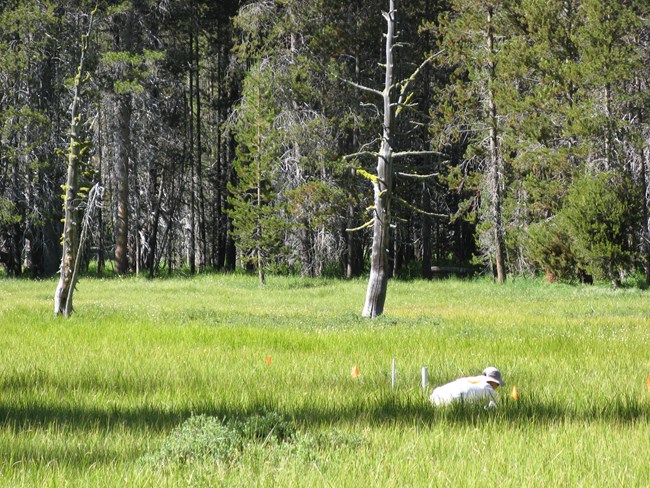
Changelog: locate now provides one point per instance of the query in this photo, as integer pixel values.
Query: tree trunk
(494, 183)
(101, 251)
(65, 288)
(123, 151)
(191, 259)
(645, 212)
(260, 262)
(203, 241)
(307, 258)
(354, 249)
(123, 41)
(230, 257)
(382, 186)
(426, 236)
(191, 253)
(230, 251)
(153, 237)
(12, 261)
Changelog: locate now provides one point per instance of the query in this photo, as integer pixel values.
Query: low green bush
(208, 439)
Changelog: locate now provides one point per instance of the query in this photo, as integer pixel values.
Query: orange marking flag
(355, 372)
(515, 393)
(268, 360)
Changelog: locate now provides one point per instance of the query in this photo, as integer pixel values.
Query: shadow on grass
(389, 409)
(615, 411)
(79, 456)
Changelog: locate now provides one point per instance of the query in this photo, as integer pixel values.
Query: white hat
(493, 374)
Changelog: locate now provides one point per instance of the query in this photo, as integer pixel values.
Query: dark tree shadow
(388, 409)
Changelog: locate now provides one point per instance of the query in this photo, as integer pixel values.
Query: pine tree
(255, 211)
(295, 38)
(473, 36)
(568, 68)
(599, 217)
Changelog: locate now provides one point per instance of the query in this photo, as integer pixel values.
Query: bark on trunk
(307, 258)
(495, 204)
(191, 252)
(65, 288)
(123, 150)
(646, 212)
(354, 249)
(379, 270)
(203, 242)
(260, 263)
(426, 236)
(152, 245)
(123, 41)
(12, 260)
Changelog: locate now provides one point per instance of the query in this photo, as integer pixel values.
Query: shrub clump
(270, 427)
(205, 438)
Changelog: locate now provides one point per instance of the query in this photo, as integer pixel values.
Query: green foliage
(570, 84)
(28, 125)
(316, 202)
(549, 246)
(132, 70)
(592, 233)
(8, 213)
(600, 213)
(199, 438)
(269, 427)
(23, 34)
(205, 440)
(257, 216)
(127, 86)
(202, 438)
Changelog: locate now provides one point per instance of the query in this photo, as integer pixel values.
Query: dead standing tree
(69, 258)
(395, 97)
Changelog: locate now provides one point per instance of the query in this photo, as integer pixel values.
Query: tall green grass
(89, 401)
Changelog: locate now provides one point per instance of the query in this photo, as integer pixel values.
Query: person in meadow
(470, 389)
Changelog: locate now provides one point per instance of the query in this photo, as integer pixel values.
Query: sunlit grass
(84, 400)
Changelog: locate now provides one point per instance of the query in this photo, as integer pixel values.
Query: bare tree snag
(65, 288)
(395, 97)
(382, 187)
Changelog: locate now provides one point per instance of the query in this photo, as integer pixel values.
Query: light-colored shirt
(469, 389)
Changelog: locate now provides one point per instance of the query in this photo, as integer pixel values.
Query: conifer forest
(326, 137)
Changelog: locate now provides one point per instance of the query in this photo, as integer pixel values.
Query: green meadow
(215, 381)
